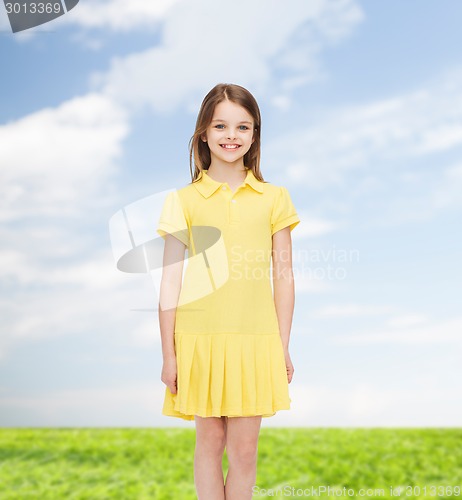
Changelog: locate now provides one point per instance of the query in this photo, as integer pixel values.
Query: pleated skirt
(228, 374)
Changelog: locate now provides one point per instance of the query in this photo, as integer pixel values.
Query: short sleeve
(284, 213)
(172, 219)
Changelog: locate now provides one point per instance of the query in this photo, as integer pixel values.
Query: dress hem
(226, 333)
(189, 414)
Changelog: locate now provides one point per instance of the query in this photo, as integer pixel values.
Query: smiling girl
(225, 336)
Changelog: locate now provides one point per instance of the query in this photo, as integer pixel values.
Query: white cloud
(140, 404)
(125, 405)
(282, 102)
(201, 47)
(114, 15)
(374, 136)
(415, 333)
(78, 306)
(54, 159)
(25, 267)
(351, 310)
(447, 191)
(119, 15)
(56, 166)
(320, 269)
(311, 226)
(407, 320)
(361, 405)
(307, 284)
(367, 405)
(442, 137)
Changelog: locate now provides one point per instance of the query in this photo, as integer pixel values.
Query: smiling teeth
(226, 146)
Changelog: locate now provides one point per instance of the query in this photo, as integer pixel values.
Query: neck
(225, 173)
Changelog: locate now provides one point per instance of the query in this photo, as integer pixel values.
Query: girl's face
(230, 133)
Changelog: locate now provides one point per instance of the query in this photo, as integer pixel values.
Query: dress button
(224, 188)
(234, 201)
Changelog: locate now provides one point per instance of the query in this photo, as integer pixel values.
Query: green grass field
(158, 463)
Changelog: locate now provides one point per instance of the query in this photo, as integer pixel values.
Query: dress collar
(207, 186)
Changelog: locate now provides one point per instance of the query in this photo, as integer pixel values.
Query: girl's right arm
(170, 287)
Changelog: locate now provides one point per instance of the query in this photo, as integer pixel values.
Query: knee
(213, 441)
(242, 454)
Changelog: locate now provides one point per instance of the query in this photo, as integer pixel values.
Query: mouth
(230, 146)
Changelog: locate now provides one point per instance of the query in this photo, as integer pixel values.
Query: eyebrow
(218, 120)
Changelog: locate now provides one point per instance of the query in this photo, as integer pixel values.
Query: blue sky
(362, 113)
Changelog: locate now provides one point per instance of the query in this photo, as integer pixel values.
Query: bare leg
(242, 450)
(208, 456)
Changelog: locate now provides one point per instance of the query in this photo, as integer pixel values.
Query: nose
(230, 134)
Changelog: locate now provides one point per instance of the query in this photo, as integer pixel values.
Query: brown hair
(200, 151)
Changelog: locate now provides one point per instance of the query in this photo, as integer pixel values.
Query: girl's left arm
(283, 283)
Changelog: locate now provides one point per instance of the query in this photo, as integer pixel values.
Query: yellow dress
(229, 353)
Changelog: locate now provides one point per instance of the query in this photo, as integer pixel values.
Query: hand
(289, 366)
(169, 374)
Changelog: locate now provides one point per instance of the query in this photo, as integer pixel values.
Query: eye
(244, 127)
(220, 125)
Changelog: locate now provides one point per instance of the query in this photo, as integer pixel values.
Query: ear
(204, 138)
